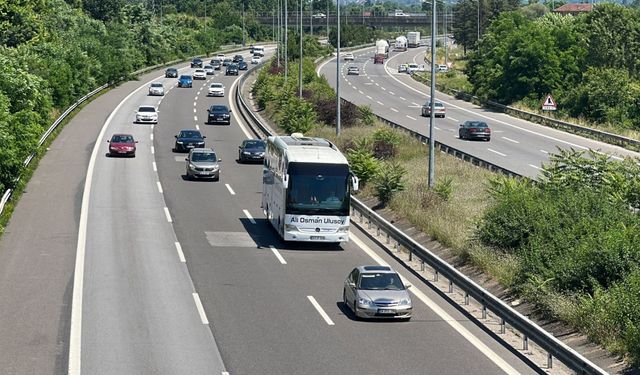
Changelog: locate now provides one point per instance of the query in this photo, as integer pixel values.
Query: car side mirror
(460, 125)
(230, 111)
(175, 136)
(108, 141)
(351, 284)
(136, 141)
(186, 159)
(407, 286)
(204, 136)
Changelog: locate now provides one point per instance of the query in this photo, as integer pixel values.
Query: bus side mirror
(285, 181)
(355, 182)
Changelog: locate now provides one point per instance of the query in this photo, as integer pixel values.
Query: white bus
(306, 189)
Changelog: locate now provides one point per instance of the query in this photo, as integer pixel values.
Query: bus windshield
(321, 189)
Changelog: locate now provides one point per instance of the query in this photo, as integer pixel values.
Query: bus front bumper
(316, 237)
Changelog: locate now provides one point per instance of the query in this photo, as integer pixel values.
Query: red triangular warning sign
(549, 104)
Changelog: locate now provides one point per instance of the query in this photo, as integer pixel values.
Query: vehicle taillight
(472, 130)
(488, 130)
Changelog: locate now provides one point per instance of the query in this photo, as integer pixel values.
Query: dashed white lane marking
(395, 110)
(383, 89)
(155, 166)
(392, 93)
(197, 127)
(368, 97)
(194, 110)
(180, 253)
(379, 102)
(168, 215)
(151, 136)
(321, 311)
(153, 150)
(544, 152)
(416, 104)
(195, 118)
(509, 139)
(377, 84)
(360, 91)
(224, 373)
(453, 119)
(454, 323)
(194, 103)
(413, 118)
(277, 254)
(496, 152)
(437, 128)
(401, 98)
(159, 187)
(196, 98)
(230, 189)
(534, 166)
(203, 316)
(248, 215)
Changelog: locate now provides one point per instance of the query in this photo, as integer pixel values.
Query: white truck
(382, 47)
(413, 39)
(400, 44)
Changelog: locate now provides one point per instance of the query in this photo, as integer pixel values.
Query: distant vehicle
(202, 163)
(251, 150)
(348, 56)
(156, 88)
(122, 145)
(232, 70)
(400, 43)
(402, 68)
(242, 65)
(319, 15)
(219, 114)
(382, 48)
(185, 81)
(378, 59)
(256, 59)
(209, 69)
(196, 63)
(216, 63)
(147, 114)
(171, 73)
(237, 58)
(187, 139)
(413, 67)
(440, 109)
(216, 89)
(474, 130)
(258, 50)
(413, 39)
(227, 61)
(400, 13)
(220, 56)
(200, 74)
(353, 70)
(306, 189)
(377, 292)
(442, 68)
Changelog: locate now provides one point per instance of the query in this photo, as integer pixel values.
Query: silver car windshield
(380, 281)
(203, 157)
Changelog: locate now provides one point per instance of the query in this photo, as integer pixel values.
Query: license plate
(317, 237)
(386, 311)
(205, 172)
(220, 119)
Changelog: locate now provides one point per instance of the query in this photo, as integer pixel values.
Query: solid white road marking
(248, 215)
(180, 253)
(230, 189)
(168, 215)
(159, 187)
(413, 118)
(534, 166)
(484, 349)
(496, 152)
(155, 167)
(321, 311)
(203, 316)
(509, 139)
(277, 254)
(235, 111)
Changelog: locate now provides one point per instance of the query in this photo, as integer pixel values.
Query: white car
(353, 70)
(442, 68)
(319, 15)
(412, 68)
(216, 89)
(348, 56)
(209, 69)
(156, 88)
(200, 74)
(220, 56)
(147, 114)
(256, 59)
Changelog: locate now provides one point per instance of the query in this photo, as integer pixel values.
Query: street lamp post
(243, 42)
(279, 31)
(300, 64)
(432, 97)
(311, 18)
(337, 70)
(286, 41)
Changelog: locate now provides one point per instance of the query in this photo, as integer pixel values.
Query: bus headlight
(290, 228)
(343, 229)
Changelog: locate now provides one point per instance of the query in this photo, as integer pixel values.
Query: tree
(104, 10)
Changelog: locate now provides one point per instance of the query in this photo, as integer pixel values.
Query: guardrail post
(377, 231)
(484, 311)
(421, 265)
(466, 298)
(361, 218)
(450, 286)
(549, 361)
(410, 255)
(397, 246)
(435, 275)
(525, 342)
(388, 239)
(368, 223)
(502, 325)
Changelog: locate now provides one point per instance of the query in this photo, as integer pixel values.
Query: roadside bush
(363, 164)
(297, 115)
(388, 181)
(385, 143)
(444, 187)
(366, 114)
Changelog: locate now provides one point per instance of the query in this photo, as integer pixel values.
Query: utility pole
(311, 17)
(327, 17)
(432, 155)
(337, 70)
(446, 51)
(279, 31)
(243, 42)
(300, 64)
(286, 41)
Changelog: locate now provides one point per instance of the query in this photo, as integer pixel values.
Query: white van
(258, 50)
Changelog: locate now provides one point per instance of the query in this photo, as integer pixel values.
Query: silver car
(203, 163)
(377, 292)
(156, 88)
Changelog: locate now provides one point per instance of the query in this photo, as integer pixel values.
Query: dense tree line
(54, 51)
(590, 63)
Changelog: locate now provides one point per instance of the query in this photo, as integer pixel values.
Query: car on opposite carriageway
(473, 129)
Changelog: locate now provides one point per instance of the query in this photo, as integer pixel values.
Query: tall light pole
(478, 37)
(327, 17)
(446, 55)
(337, 69)
(286, 41)
(432, 155)
(243, 42)
(300, 64)
(279, 31)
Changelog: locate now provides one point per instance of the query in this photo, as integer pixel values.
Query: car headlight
(191, 166)
(343, 229)
(216, 167)
(290, 227)
(365, 302)
(246, 153)
(179, 142)
(405, 301)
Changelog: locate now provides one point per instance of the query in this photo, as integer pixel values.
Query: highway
(517, 145)
(186, 277)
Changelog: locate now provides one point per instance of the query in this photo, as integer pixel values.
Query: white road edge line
(496, 152)
(155, 166)
(153, 150)
(151, 136)
(321, 311)
(484, 349)
(544, 152)
(168, 215)
(248, 215)
(203, 316)
(159, 187)
(230, 189)
(277, 254)
(75, 331)
(235, 111)
(180, 253)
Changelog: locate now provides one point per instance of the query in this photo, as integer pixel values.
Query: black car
(171, 73)
(232, 70)
(196, 63)
(474, 130)
(251, 150)
(188, 139)
(237, 58)
(219, 114)
(242, 65)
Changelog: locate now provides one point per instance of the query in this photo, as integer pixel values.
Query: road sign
(549, 104)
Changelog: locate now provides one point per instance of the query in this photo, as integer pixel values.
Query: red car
(122, 145)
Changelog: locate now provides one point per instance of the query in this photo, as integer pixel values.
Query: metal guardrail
(553, 346)
(7, 194)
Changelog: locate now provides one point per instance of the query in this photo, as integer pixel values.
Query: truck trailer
(413, 39)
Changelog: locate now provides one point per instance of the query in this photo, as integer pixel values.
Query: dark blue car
(185, 81)
(187, 139)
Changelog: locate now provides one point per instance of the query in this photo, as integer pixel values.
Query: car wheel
(460, 135)
(355, 310)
